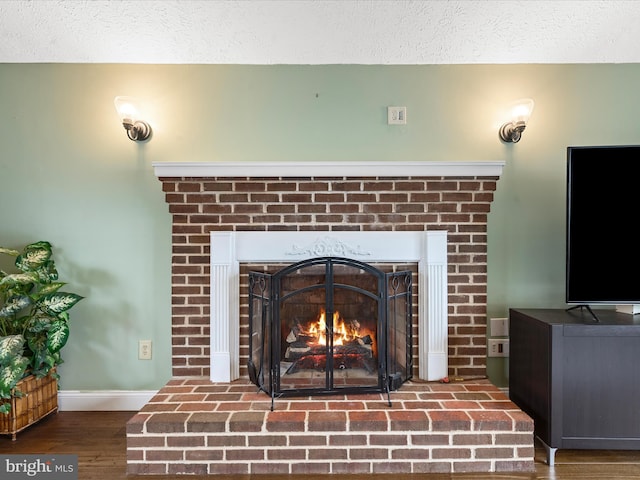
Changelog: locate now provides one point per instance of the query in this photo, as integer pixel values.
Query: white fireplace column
(229, 249)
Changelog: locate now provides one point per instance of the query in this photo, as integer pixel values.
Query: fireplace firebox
(329, 325)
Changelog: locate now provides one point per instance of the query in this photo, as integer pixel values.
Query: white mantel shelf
(328, 169)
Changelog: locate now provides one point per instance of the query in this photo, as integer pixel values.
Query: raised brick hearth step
(193, 426)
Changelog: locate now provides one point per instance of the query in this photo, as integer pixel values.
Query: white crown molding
(104, 400)
(329, 169)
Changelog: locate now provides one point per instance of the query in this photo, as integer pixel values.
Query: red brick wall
(457, 204)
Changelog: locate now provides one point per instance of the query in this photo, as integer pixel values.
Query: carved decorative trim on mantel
(328, 247)
(328, 169)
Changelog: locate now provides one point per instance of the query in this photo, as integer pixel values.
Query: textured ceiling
(319, 31)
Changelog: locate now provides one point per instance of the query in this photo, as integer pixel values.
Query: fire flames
(343, 331)
(353, 345)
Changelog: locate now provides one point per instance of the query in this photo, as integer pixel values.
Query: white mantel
(428, 249)
(328, 169)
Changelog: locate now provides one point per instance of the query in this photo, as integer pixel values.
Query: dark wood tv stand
(577, 378)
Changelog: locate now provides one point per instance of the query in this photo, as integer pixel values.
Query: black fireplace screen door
(329, 325)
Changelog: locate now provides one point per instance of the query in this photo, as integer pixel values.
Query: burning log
(344, 357)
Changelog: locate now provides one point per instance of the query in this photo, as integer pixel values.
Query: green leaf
(46, 363)
(16, 279)
(37, 343)
(58, 335)
(14, 304)
(58, 302)
(34, 256)
(47, 272)
(11, 346)
(9, 251)
(11, 374)
(51, 287)
(42, 244)
(39, 324)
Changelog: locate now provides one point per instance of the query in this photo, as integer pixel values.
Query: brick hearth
(199, 427)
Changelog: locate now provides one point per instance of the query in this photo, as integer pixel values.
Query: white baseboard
(103, 400)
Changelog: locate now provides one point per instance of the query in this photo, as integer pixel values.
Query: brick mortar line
(326, 447)
(369, 434)
(261, 461)
(414, 463)
(365, 408)
(473, 449)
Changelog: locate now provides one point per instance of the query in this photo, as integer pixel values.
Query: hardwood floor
(98, 438)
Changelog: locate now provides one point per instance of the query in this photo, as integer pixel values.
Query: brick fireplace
(454, 197)
(209, 419)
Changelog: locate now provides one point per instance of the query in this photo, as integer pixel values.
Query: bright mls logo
(51, 467)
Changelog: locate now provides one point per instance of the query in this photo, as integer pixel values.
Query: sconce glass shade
(520, 110)
(129, 111)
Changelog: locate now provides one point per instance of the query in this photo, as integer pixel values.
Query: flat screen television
(603, 227)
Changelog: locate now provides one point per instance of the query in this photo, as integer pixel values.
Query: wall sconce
(127, 107)
(520, 110)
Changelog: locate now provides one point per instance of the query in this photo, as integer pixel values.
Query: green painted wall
(69, 175)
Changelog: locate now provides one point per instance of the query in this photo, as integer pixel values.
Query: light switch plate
(499, 327)
(396, 115)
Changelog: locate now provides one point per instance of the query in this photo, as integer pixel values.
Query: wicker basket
(39, 399)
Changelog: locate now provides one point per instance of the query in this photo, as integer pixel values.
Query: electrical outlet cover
(498, 347)
(144, 350)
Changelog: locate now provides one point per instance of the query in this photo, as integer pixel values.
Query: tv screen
(603, 241)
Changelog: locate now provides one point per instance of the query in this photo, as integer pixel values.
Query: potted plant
(34, 326)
